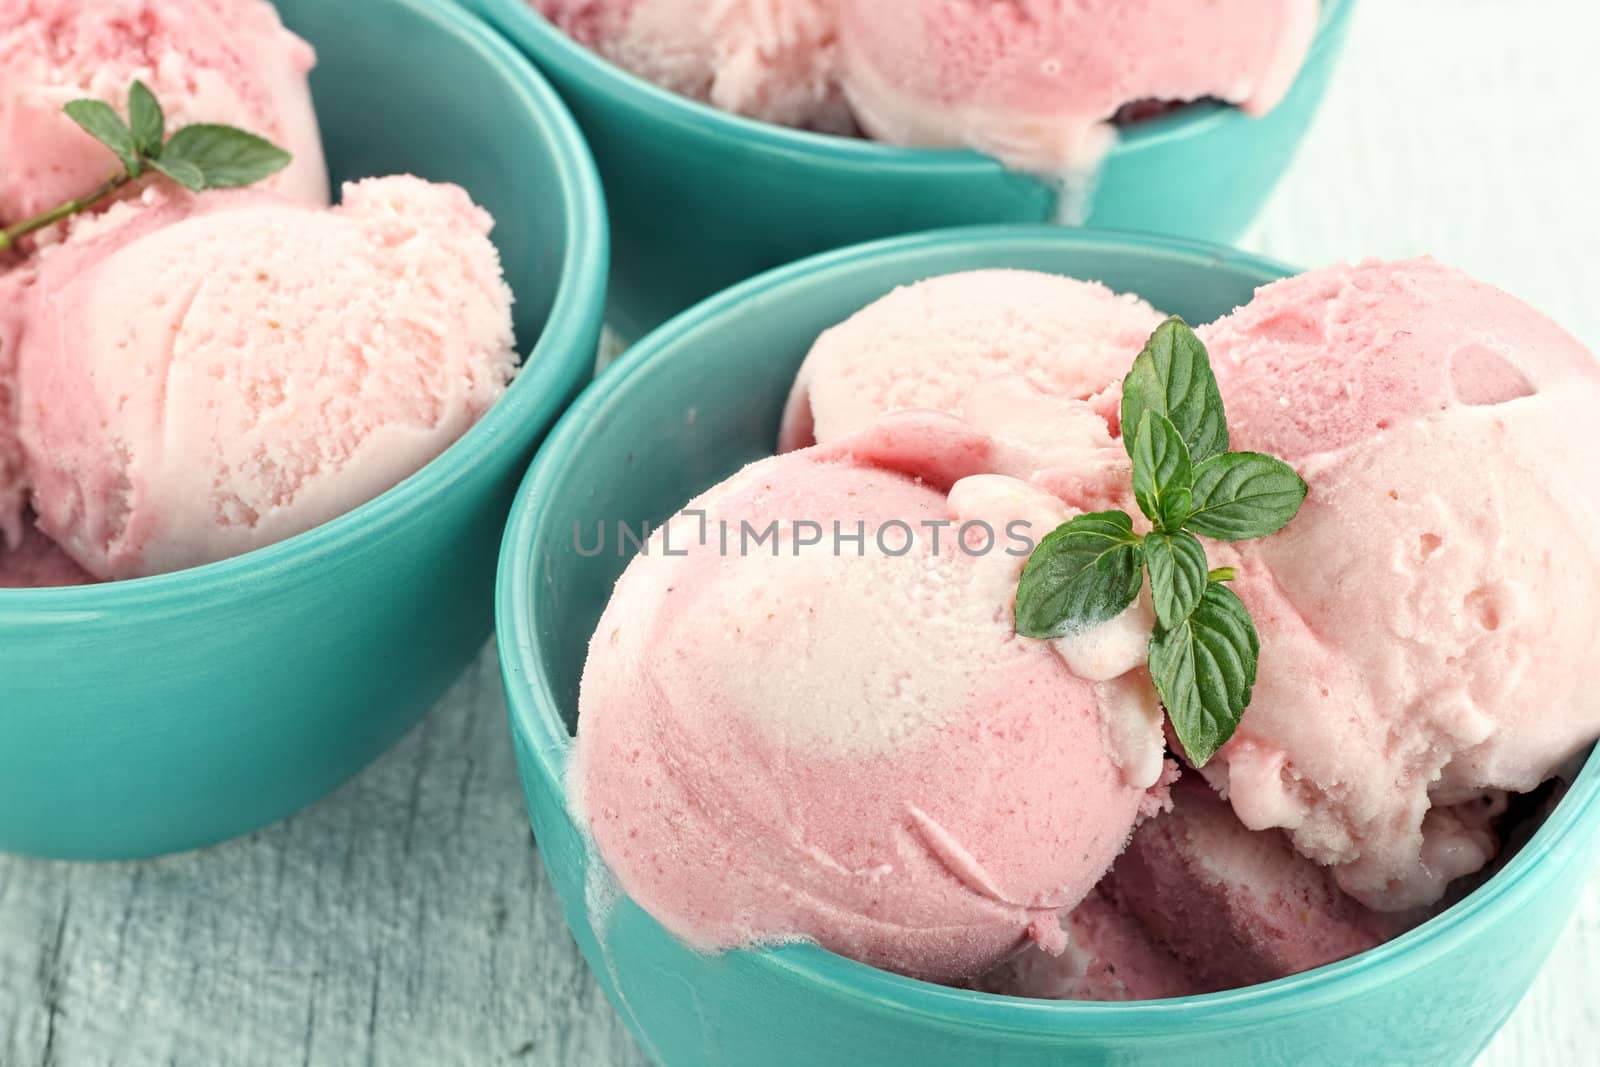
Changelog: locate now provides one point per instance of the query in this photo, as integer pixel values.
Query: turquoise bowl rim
(673, 109)
(535, 711)
(551, 368)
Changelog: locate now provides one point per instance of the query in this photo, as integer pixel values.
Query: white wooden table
(406, 920)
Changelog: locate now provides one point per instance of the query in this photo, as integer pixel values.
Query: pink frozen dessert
(1038, 83)
(1422, 620)
(1237, 906)
(34, 562)
(797, 740)
(1041, 84)
(229, 62)
(1196, 904)
(772, 60)
(932, 345)
(13, 493)
(1200, 904)
(199, 377)
(1110, 956)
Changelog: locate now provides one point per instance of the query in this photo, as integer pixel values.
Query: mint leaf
(1204, 669)
(1084, 572)
(1162, 474)
(1242, 495)
(106, 126)
(223, 156)
(1172, 377)
(1177, 564)
(184, 173)
(148, 122)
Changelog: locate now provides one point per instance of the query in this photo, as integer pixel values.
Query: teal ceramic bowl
(701, 200)
(167, 713)
(702, 396)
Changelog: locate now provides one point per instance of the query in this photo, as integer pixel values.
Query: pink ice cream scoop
(1237, 906)
(1110, 956)
(933, 344)
(35, 562)
(199, 379)
(1037, 83)
(13, 493)
(806, 740)
(216, 61)
(773, 60)
(1196, 904)
(1425, 618)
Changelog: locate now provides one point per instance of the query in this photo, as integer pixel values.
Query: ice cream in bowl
(941, 651)
(737, 136)
(259, 430)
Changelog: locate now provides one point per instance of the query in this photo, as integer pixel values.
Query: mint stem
(12, 234)
(198, 157)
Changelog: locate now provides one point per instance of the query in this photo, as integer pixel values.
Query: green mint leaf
(1177, 565)
(106, 126)
(146, 118)
(1204, 669)
(1204, 651)
(1172, 377)
(1162, 473)
(224, 156)
(181, 171)
(1084, 572)
(1242, 495)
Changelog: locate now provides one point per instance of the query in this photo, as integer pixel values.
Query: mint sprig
(1204, 651)
(198, 157)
